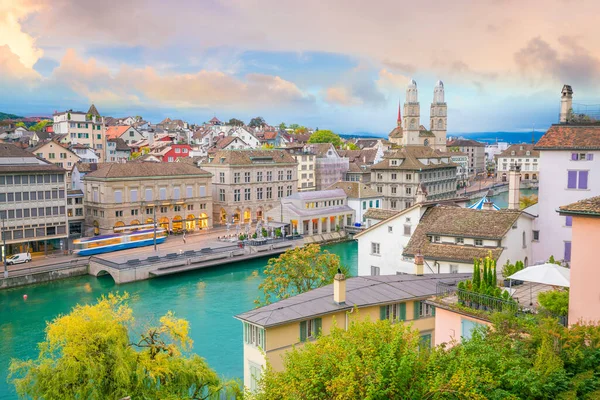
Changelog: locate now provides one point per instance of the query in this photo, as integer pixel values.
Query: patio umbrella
(547, 274)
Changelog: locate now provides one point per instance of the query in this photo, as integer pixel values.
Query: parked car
(18, 258)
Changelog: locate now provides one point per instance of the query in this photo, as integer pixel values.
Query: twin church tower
(410, 132)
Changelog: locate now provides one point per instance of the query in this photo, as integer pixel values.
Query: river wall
(42, 276)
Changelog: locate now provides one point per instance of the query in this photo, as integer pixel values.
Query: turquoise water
(501, 200)
(208, 299)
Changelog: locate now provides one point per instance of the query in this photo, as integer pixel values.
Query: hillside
(4, 116)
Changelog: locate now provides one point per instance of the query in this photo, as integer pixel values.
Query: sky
(336, 64)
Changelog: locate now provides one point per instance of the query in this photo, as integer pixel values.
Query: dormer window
(528, 153)
(437, 239)
(460, 240)
(512, 153)
(394, 162)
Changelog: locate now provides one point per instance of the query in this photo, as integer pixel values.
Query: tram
(118, 241)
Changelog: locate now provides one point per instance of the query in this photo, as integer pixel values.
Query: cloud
(399, 66)
(20, 43)
(391, 81)
(571, 64)
(203, 89)
(12, 70)
(341, 96)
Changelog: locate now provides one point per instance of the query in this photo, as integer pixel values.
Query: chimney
(566, 103)
(514, 183)
(339, 288)
(488, 205)
(421, 195)
(419, 264)
(150, 138)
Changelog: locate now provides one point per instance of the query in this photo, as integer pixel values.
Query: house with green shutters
(272, 330)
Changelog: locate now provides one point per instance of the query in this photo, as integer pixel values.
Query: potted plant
(255, 235)
(507, 270)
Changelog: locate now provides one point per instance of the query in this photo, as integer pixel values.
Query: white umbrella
(548, 274)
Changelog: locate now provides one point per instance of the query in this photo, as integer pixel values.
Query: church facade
(410, 132)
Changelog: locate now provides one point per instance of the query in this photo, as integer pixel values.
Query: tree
(556, 302)
(526, 201)
(351, 146)
(282, 126)
(21, 124)
(257, 122)
(297, 271)
(40, 125)
(235, 122)
(294, 126)
(299, 130)
(325, 136)
(89, 354)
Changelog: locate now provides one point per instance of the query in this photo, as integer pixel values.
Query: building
(492, 150)
(173, 152)
(360, 198)
(523, 155)
(75, 214)
(83, 129)
(32, 202)
(306, 167)
(270, 331)
(314, 213)
(570, 158)
(360, 161)
(448, 237)
(476, 152)
(376, 215)
(462, 165)
(56, 154)
(404, 172)
(584, 296)
(410, 132)
(128, 133)
(117, 150)
(79, 171)
(330, 167)
(124, 194)
(85, 154)
(248, 183)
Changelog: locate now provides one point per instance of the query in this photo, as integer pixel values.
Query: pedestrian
(183, 237)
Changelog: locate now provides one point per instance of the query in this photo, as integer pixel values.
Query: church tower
(412, 111)
(439, 117)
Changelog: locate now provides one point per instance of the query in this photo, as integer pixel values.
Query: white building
(491, 150)
(462, 165)
(247, 136)
(523, 155)
(448, 237)
(570, 159)
(360, 198)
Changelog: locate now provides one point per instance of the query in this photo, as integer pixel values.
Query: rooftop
(145, 169)
(355, 190)
(317, 195)
(520, 151)
(362, 291)
(465, 143)
(411, 156)
(570, 137)
(116, 131)
(380, 214)
(589, 207)
(248, 157)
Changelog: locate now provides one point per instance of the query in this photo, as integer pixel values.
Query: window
(423, 310)
(375, 271)
(236, 177)
(221, 177)
(237, 195)
(279, 192)
(289, 175)
(364, 205)
(390, 229)
(577, 179)
(454, 268)
(459, 240)
(148, 195)
(582, 156)
(222, 195)
(536, 236)
(408, 191)
(478, 242)
(379, 189)
(376, 203)
(259, 193)
(567, 251)
(177, 208)
(407, 230)
(247, 194)
(118, 213)
(269, 176)
(178, 150)
(394, 189)
(259, 176)
(164, 210)
(393, 312)
(118, 196)
(394, 177)
(162, 193)
(269, 193)
(568, 220)
(289, 191)
(467, 327)
(247, 177)
(375, 248)
(176, 193)
(524, 240)
(393, 204)
(408, 177)
(436, 239)
(310, 329)
(170, 159)
(379, 176)
(254, 335)
(255, 373)
(189, 192)
(134, 212)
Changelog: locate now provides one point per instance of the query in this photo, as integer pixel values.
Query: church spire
(399, 113)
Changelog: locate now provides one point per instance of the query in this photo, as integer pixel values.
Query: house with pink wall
(452, 326)
(584, 294)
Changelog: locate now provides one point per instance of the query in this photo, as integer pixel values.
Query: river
(501, 199)
(208, 299)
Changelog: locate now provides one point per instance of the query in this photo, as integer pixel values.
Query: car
(18, 258)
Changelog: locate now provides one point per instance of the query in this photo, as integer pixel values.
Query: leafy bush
(555, 301)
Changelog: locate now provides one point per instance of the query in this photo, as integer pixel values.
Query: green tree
(235, 122)
(282, 126)
(294, 126)
(297, 271)
(21, 124)
(555, 301)
(325, 136)
(351, 146)
(89, 354)
(40, 125)
(257, 122)
(526, 201)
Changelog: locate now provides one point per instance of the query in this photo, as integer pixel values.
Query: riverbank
(207, 298)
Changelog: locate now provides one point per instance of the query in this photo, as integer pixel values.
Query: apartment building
(32, 202)
(248, 183)
(523, 155)
(476, 152)
(330, 167)
(306, 167)
(412, 169)
(56, 154)
(124, 194)
(82, 128)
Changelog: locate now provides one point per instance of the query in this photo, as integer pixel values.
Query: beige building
(57, 154)
(315, 213)
(248, 183)
(270, 331)
(413, 169)
(82, 128)
(123, 194)
(474, 150)
(519, 154)
(330, 167)
(32, 202)
(306, 167)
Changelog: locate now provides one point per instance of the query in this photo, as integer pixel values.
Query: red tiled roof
(116, 131)
(569, 137)
(589, 206)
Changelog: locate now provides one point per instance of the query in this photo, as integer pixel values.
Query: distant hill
(4, 116)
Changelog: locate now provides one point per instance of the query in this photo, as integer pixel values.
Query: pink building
(584, 297)
(451, 325)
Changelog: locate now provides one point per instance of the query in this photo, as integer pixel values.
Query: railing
(47, 267)
(484, 302)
